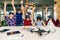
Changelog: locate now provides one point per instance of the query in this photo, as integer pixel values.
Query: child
(37, 29)
(29, 9)
(28, 18)
(19, 14)
(11, 18)
(27, 21)
(39, 22)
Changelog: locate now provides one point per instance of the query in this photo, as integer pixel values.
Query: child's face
(27, 19)
(19, 11)
(11, 15)
(38, 19)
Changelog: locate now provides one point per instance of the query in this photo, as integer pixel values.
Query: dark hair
(11, 13)
(38, 18)
(27, 16)
(18, 9)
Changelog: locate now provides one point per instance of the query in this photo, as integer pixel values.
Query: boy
(19, 14)
(11, 18)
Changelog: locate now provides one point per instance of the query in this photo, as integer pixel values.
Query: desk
(28, 35)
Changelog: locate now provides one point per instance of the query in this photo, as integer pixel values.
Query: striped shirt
(10, 22)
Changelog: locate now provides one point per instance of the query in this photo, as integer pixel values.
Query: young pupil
(28, 20)
(39, 22)
(19, 14)
(11, 18)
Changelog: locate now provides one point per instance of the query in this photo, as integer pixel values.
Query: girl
(39, 22)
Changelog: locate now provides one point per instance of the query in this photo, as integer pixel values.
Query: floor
(26, 35)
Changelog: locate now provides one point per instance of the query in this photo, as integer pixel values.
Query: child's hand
(21, 2)
(12, 2)
(5, 3)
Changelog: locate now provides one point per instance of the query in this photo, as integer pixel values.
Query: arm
(22, 9)
(33, 23)
(26, 8)
(5, 4)
(46, 10)
(13, 7)
(32, 13)
(43, 23)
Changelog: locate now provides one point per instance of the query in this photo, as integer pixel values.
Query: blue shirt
(19, 19)
(39, 23)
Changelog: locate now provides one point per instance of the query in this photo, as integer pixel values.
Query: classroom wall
(57, 8)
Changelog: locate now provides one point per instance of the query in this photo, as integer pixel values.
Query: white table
(28, 35)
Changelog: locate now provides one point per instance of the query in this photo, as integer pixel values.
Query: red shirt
(27, 22)
(56, 23)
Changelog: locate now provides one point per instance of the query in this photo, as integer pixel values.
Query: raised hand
(21, 1)
(12, 2)
(26, 5)
(13, 7)
(5, 3)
